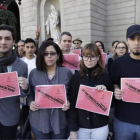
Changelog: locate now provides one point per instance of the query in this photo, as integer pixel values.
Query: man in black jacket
(127, 115)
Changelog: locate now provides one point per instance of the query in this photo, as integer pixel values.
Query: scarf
(7, 61)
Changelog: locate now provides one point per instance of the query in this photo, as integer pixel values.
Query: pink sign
(131, 89)
(50, 96)
(77, 51)
(9, 85)
(104, 55)
(71, 61)
(92, 100)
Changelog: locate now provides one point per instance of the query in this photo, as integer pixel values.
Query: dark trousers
(40, 135)
(8, 132)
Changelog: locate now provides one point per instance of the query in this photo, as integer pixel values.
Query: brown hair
(90, 49)
(115, 54)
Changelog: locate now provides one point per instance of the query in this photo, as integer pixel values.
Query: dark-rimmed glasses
(51, 54)
(121, 48)
(92, 58)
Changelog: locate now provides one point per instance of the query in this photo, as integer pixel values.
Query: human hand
(100, 87)
(34, 106)
(38, 32)
(66, 106)
(118, 93)
(73, 135)
(23, 83)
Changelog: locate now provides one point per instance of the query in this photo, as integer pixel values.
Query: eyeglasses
(92, 58)
(51, 54)
(123, 48)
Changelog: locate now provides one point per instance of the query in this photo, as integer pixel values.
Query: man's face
(65, 43)
(21, 47)
(30, 49)
(134, 44)
(6, 43)
(77, 44)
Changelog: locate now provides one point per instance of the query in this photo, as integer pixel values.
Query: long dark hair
(89, 49)
(40, 63)
(102, 44)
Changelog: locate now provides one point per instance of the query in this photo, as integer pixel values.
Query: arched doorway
(13, 7)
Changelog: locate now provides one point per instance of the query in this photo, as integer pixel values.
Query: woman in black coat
(84, 124)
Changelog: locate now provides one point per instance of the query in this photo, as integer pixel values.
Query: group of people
(45, 68)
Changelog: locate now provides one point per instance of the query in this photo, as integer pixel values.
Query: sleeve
(31, 96)
(115, 73)
(25, 75)
(73, 112)
(69, 74)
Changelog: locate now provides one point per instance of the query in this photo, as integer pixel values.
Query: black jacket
(81, 118)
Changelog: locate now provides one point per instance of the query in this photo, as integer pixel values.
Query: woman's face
(99, 45)
(120, 49)
(90, 61)
(50, 56)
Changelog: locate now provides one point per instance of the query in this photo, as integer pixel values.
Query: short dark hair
(65, 33)
(30, 40)
(40, 63)
(114, 42)
(101, 44)
(10, 29)
(21, 41)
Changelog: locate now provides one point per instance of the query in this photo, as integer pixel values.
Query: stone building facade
(91, 20)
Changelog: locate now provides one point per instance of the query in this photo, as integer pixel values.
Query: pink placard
(71, 61)
(131, 89)
(93, 100)
(50, 96)
(9, 86)
(77, 51)
(104, 55)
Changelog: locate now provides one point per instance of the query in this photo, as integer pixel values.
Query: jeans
(40, 135)
(126, 131)
(100, 133)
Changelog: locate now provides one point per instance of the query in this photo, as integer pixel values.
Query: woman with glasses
(48, 123)
(84, 124)
(121, 49)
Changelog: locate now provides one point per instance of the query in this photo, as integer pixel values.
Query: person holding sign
(84, 124)
(127, 115)
(49, 123)
(9, 62)
(66, 44)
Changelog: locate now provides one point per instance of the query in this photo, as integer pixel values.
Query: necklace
(51, 75)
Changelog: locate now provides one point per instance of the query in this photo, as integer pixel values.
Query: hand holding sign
(23, 83)
(100, 87)
(34, 106)
(66, 106)
(118, 94)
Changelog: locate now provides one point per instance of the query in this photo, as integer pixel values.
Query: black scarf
(6, 61)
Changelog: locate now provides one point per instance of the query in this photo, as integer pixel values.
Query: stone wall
(98, 20)
(120, 15)
(28, 18)
(91, 20)
(77, 19)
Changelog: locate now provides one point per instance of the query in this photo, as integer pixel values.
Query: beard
(136, 53)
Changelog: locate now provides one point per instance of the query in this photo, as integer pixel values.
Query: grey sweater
(46, 120)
